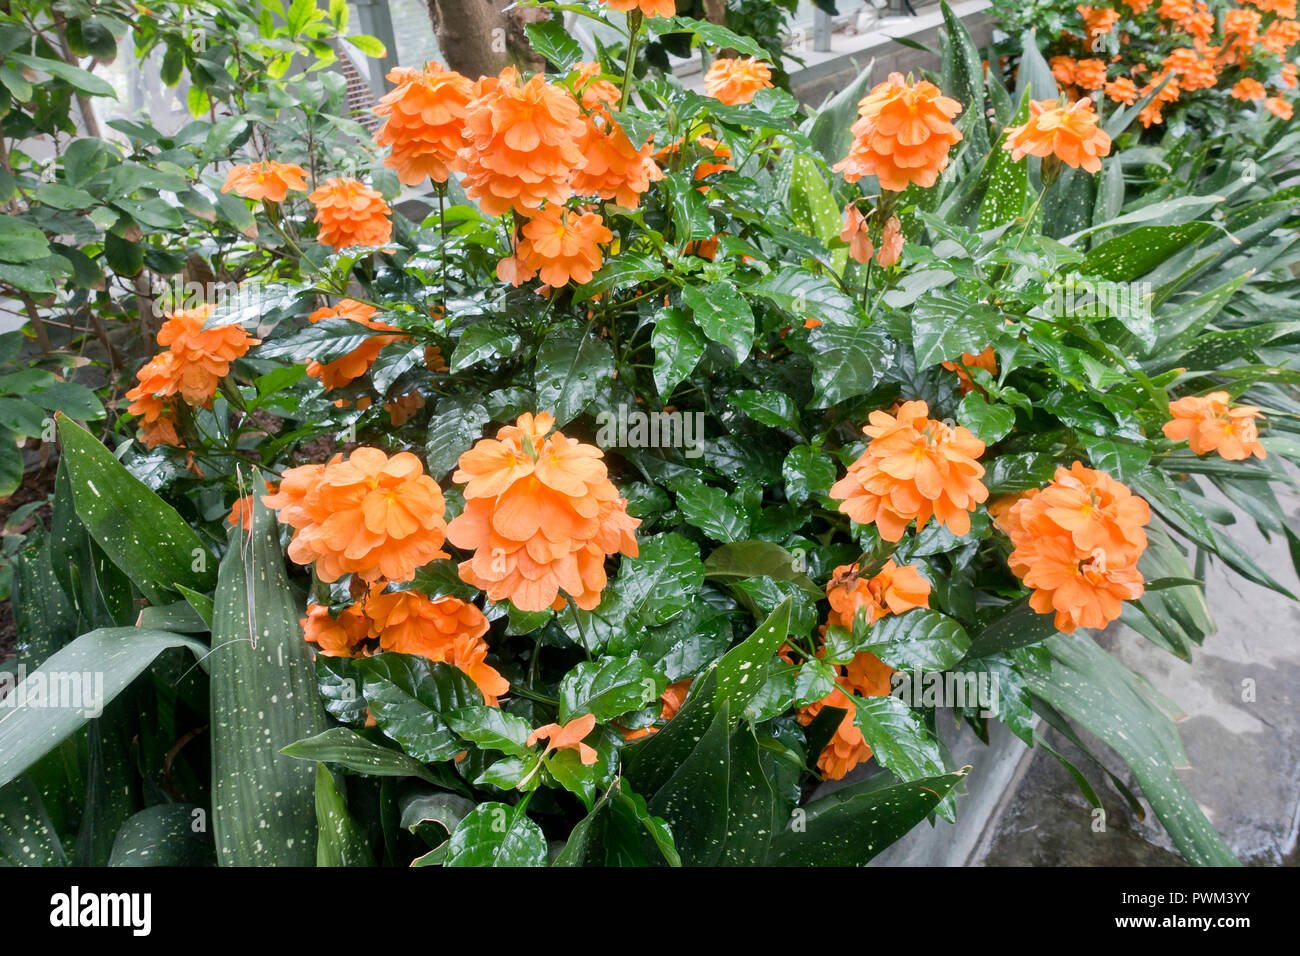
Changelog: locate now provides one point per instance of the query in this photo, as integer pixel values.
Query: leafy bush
(566, 469)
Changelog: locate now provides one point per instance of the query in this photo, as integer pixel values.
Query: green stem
(629, 70)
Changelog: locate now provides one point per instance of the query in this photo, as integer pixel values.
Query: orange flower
(1098, 21)
(1207, 423)
(541, 516)
(1137, 6)
(445, 630)
(1278, 107)
(203, 356)
(649, 8)
(719, 153)
(425, 123)
(913, 467)
(560, 244)
(568, 737)
(1195, 72)
(1069, 133)
(891, 243)
(1090, 74)
(866, 676)
(1289, 75)
(734, 81)
(892, 591)
(1063, 68)
(377, 517)
(266, 180)
(346, 369)
(241, 512)
(902, 136)
(856, 234)
(1248, 89)
(1122, 90)
(613, 168)
(434, 360)
(987, 360)
(159, 381)
(336, 636)
(1076, 544)
(524, 143)
(351, 214)
(673, 697)
(403, 407)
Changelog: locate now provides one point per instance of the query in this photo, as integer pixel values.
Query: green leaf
(349, 749)
(742, 560)
(807, 471)
(711, 33)
(74, 76)
(368, 45)
(491, 728)
(609, 688)
(1018, 626)
(164, 835)
(852, 825)
(31, 727)
(1008, 186)
(945, 324)
(574, 368)
(989, 423)
(495, 834)
(264, 697)
(710, 510)
(678, 346)
(27, 836)
(767, 407)
(897, 737)
(408, 696)
(813, 208)
(141, 533)
(848, 360)
(723, 315)
(803, 295)
(453, 429)
(341, 841)
(1135, 253)
(918, 640)
(21, 242)
(551, 40)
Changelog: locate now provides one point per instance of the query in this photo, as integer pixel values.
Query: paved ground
(1023, 809)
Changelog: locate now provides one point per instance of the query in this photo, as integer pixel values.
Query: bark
(715, 11)
(479, 38)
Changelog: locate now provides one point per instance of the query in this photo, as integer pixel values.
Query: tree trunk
(715, 11)
(479, 38)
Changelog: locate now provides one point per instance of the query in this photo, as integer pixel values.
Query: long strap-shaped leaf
(36, 717)
(263, 699)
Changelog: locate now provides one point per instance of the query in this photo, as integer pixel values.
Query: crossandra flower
(1247, 89)
(864, 676)
(857, 234)
(649, 8)
(913, 468)
(1208, 423)
(1098, 20)
(1090, 74)
(672, 698)
(346, 369)
(1070, 133)
(401, 408)
(1122, 90)
(735, 81)
(568, 737)
(561, 245)
(541, 516)
(892, 590)
(425, 122)
(902, 136)
(1063, 69)
(524, 142)
(445, 630)
(336, 636)
(151, 399)
(202, 356)
(351, 214)
(1279, 107)
(1195, 72)
(612, 167)
(1076, 544)
(891, 242)
(986, 360)
(265, 180)
(377, 517)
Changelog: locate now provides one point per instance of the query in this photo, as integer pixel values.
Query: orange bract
(524, 141)
(735, 81)
(377, 517)
(346, 369)
(1071, 134)
(425, 123)
(856, 233)
(1077, 543)
(891, 242)
(560, 244)
(541, 516)
(568, 737)
(351, 214)
(265, 180)
(913, 467)
(903, 135)
(1207, 423)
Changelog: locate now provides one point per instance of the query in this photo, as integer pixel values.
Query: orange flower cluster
(735, 81)
(858, 235)
(425, 124)
(560, 244)
(351, 214)
(673, 697)
(913, 467)
(902, 136)
(193, 366)
(541, 516)
(649, 8)
(266, 180)
(1069, 133)
(1076, 544)
(377, 517)
(892, 591)
(1208, 423)
(348, 368)
(445, 630)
